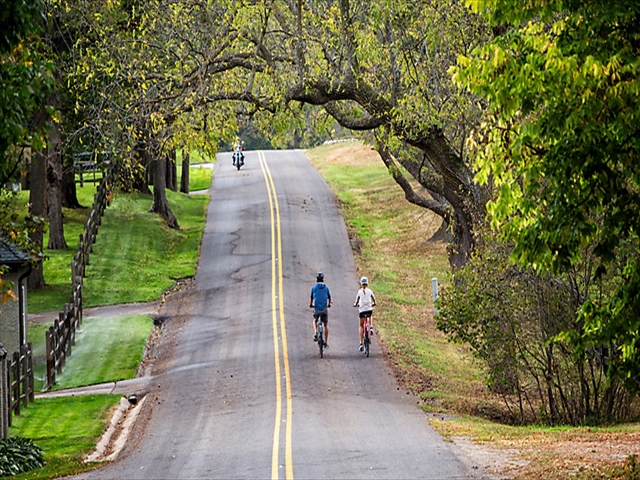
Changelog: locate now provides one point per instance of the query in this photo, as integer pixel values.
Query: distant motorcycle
(238, 159)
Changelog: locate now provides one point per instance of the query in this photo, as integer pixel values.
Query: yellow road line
(277, 290)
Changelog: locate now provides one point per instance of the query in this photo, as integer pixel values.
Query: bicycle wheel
(321, 339)
(367, 342)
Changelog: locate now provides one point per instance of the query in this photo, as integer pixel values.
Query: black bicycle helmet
(320, 277)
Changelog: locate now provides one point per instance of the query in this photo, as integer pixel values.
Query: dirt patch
(572, 453)
(496, 463)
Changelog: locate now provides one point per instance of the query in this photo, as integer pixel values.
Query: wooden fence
(20, 381)
(16, 372)
(16, 384)
(61, 336)
(91, 167)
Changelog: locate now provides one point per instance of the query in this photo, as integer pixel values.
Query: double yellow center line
(277, 312)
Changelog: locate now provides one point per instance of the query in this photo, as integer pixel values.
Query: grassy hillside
(392, 237)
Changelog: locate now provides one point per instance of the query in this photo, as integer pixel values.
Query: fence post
(15, 383)
(31, 380)
(24, 376)
(4, 394)
(51, 358)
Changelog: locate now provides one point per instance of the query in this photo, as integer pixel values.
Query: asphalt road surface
(245, 394)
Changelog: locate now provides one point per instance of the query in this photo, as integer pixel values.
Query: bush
(517, 322)
(19, 455)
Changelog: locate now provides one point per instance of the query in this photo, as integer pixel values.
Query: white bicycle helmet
(364, 281)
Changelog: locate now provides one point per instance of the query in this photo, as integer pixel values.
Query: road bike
(366, 341)
(321, 342)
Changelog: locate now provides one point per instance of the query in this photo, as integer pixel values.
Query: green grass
(133, 247)
(199, 178)
(136, 257)
(395, 253)
(106, 350)
(400, 263)
(66, 429)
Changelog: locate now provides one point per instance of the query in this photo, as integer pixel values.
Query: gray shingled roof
(10, 255)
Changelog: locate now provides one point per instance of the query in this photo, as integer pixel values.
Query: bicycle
(321, 342)
(366, 341)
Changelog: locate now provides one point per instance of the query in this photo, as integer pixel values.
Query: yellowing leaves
(8, 295)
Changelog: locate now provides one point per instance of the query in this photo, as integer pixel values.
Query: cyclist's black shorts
(322, 315)
(366, 314)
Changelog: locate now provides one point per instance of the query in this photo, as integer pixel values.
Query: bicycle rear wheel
(367, 342)
(321, 339)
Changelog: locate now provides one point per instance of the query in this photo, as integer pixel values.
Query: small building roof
(11, 255)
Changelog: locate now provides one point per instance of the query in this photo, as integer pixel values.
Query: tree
(510, 317)
(37, 209)
(54, 189)
(26, 79)
(377, 67)
(562, 86)
(184, 178)
(134, 87)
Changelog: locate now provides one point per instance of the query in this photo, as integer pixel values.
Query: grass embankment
(66, 429)
(107, 349)
(135, 259)
(400, 261)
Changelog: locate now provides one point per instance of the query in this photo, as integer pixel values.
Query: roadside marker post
(434, 290)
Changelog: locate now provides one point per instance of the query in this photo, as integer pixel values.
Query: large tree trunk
(54, 189)
(69, 192)
(37, 208)
(160, 204)
(172, 172)
(184, 179)
(136, 176)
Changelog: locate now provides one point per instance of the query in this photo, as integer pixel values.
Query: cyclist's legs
(363, 316)
(324, 318)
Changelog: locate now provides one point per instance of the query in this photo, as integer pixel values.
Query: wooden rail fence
(16, 384)
(61, 336)
(20, 381)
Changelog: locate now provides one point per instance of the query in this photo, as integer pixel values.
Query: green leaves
(19, 455)
(563, 88)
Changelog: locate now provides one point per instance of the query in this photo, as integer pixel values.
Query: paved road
(245, 394)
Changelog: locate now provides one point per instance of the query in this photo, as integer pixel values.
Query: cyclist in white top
(365, 301)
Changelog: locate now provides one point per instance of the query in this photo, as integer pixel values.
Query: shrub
(516, 321)
(19, 455)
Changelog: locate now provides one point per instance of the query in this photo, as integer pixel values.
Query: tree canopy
(25, 78)
(562, 86)
(377, 67)
(527, 110)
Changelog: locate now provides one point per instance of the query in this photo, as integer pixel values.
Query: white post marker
(434, 290)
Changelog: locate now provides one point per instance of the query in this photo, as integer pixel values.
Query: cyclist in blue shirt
(320, 301)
